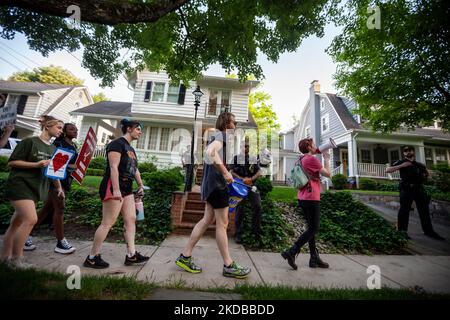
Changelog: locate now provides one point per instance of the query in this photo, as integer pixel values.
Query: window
(172, 93)
(366, 156)
(148, 91)
(441, 155)
(141, 141)
(325, 123)
(308, 131)
(104, 137)
(164, 141)
(153, 138)
(395, 155)
(158, 92)
(176, 140)
(429, 157)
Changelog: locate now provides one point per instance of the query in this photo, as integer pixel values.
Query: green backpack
(299, 177)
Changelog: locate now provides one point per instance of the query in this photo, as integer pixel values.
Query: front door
(344, 158)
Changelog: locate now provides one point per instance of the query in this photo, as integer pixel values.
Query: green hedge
(147, 167)
(367, 184)
(98, 163)
(275, 232)
(4, 164)
(349, 224)
(339, 181)
(95, 172)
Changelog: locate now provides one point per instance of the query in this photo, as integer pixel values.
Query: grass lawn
(32, 284)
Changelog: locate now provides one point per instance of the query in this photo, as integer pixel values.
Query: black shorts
(219, 198)
(106, 189)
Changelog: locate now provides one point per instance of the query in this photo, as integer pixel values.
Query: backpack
(299, 178)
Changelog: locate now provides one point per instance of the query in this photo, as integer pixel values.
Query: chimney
(316, 85)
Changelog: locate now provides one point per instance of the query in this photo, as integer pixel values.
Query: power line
(14, 66)
(38, 64)
(21, 61)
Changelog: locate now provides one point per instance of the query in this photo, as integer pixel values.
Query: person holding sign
(54, 206)
(5, 133)
(116, 192)
(26, 185)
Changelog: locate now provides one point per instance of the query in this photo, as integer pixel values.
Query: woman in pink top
(309, 201)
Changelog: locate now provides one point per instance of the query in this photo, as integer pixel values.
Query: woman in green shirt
(26, 185)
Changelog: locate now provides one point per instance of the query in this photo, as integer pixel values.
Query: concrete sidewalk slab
(343, 272)
(113, 253)
(173, 294)
(179, 241)
(162, 269)
(410, 271)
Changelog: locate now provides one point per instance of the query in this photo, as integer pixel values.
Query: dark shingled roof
(343, 112)
(108, 108)
(31, 86)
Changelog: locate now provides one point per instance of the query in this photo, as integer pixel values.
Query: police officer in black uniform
(248, 172)
(413, 175)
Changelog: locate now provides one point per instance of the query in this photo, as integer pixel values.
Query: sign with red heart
(58, 164)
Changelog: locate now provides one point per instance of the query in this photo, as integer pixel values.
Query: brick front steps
(188, 209)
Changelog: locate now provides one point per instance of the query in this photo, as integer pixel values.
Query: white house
(167, 113)
(34, 99)
(361, 152)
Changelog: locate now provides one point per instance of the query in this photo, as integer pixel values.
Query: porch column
(420, 156)
(352, 157)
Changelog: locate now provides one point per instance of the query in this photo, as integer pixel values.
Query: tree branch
(105, 12)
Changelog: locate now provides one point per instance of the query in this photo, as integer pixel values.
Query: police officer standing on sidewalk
(249, 173)
(413, 175)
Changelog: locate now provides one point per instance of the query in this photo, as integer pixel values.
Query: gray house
(34, 99)
(360, 152)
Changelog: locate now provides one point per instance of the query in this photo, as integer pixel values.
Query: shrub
(147, 167)
(275, 232)
(264, 186)
(164, 180)
(349, 224)
(95, 172)
(388, 186)
(441, 179)
(339, 181)
(98, 163)
(6, 210)
(4, 164)
(367, 184)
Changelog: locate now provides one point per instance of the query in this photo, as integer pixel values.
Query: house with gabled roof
(33, 99)
(360, 151)
(166, 111)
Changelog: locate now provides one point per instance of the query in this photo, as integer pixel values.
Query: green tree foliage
(100, 97)
(182, 37)
(50, 74)
(400, 73)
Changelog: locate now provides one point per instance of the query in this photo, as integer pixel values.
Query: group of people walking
(26, 185)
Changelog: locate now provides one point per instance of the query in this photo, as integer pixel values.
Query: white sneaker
(29, 245)
(64, 247)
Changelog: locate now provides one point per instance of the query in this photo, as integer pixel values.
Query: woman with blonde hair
(26, 185)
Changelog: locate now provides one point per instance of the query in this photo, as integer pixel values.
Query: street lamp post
(190, 174)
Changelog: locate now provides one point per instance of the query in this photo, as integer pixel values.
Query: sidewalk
(432, 273)
(419, 243)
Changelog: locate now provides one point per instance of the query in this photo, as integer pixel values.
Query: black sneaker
(136, 259)
(97, 262)
(64, 247)
(318, 263)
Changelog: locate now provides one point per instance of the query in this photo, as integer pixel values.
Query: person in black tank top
(117, 196)
(214, 191)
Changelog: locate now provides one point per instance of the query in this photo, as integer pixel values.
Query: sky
(287, 81)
